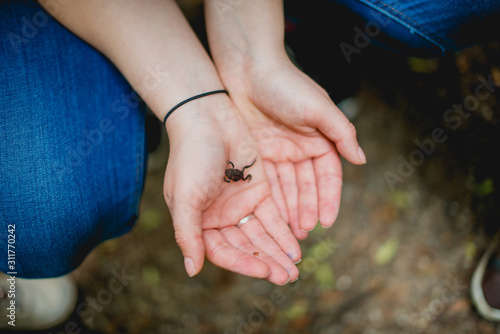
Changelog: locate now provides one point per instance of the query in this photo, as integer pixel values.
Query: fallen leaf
(295, 311)
(400, 199)
(470, 250)
(387, 251)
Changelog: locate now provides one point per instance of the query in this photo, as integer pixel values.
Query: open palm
(206, 210)
(299, 132)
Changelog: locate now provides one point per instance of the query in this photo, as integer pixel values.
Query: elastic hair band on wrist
(191, 99)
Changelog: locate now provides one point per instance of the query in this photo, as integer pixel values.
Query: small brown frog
(233, 174)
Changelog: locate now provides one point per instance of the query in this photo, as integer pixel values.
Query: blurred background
(412, 226)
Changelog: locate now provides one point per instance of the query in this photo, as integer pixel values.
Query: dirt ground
(413, 223)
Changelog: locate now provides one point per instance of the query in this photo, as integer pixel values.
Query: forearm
(150, 42)
(246, 32)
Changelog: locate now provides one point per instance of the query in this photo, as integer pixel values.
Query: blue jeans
(72, 145)
(414, 27)
(429, 27)
(72, 138)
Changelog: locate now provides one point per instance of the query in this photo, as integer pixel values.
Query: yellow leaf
(387, 251)
(470, 250)
(295, 311)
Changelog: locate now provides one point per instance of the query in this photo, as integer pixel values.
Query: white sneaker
(477, 287)
(36, 304)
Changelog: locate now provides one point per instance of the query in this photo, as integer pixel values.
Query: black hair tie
(191, 99)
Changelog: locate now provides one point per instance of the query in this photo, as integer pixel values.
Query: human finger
(234, 254)
(273, 177)
(238, 238)
(307, 195)
(289, 189)
(330, 121)
(328, 171)
(257, 232)
(188, 235)
(278, 229)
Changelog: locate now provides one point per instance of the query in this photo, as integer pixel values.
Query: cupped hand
(300, 133)
(204, 135)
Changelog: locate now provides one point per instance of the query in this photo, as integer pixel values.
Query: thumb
(188, 235)
(336, 127)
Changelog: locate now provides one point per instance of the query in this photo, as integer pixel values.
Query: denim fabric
(429, 28)
(72, 145)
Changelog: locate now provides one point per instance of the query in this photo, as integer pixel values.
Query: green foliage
(486, 188)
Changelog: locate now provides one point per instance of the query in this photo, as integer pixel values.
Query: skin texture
(298, 129)
(152, 44)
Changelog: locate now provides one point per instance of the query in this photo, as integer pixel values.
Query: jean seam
(419, 29)
(139, 173)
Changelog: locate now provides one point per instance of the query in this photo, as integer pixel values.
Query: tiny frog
(233, 174)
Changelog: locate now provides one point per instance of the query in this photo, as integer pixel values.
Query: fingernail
(288, 280)
(361, 154)
(298, 261)
(269, 273)
(189, 265)
(329, 220)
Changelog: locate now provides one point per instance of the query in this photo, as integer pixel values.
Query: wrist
(246, 34)
(246, 63)
(244, 75)
(198, 116)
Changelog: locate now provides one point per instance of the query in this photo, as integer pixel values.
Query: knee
(50, 233)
